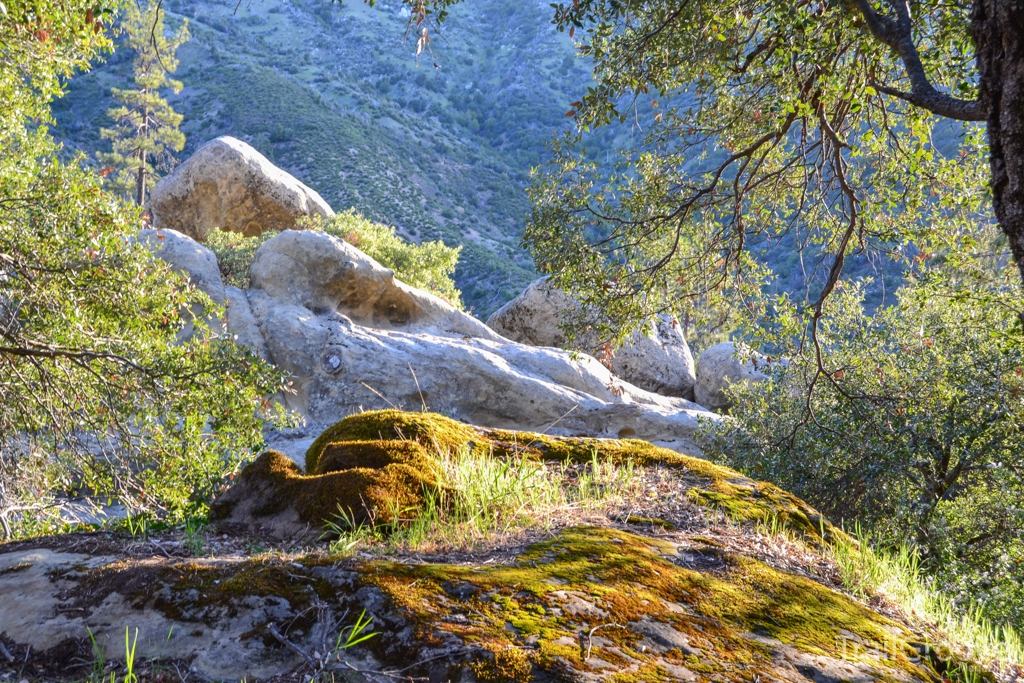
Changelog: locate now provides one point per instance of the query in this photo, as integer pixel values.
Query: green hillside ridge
(334, 95)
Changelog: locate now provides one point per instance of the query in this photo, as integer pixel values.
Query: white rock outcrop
(199, 264)
(188, 257)
(355, 338)
(656, 358)
(227, 184)
(724, 364)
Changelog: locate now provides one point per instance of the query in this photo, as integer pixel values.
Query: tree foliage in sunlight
(100, 397)
(914, 430)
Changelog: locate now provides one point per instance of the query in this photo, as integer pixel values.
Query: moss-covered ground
(590, 603)
(636, 598)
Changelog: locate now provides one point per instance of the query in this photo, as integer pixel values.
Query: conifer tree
(146, 126)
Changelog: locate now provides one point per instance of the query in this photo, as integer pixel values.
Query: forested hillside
(441, 146)
(334, 94)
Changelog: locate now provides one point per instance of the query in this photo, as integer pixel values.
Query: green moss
(628, 578)
(508, 664)
(348, 455)
(365, 494)
(580, 450)
(428, 429)
(744, 500)
(378, 438)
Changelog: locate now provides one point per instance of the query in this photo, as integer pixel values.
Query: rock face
(355, 338)
(188, 257)
(227, 184)
(725, 364)
(656, 359)
(199, 264)
(674, 609)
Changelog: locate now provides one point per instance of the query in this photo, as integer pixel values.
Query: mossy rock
(272, 493)
(737, 496)
(588, 604)
(659, 620)
(377, 463)
(348, 455)
(381, 437)
(428, 429)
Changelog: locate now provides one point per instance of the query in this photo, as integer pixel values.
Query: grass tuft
(484, 497)
(896, 575)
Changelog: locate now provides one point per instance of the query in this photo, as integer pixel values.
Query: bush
(909, 423)
(101, 398)
(428, 265)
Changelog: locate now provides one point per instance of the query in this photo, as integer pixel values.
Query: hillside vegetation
(334, 94)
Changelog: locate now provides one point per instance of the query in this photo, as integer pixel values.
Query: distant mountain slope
(334, 95)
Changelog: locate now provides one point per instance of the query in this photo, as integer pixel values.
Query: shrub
(428, 265)
(909, 423)
(100, 397)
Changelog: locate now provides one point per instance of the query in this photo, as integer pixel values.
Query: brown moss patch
(734, 623)
(274, 485)
(376, 464)
(507, 664)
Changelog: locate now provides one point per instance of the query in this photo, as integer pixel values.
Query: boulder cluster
(355, 338)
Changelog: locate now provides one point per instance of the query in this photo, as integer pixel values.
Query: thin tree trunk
(140, 180)
(998, 29)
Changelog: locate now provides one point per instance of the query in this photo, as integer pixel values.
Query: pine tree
(146, 131)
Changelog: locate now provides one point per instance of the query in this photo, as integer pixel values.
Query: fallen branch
(292, 646)
(6, 653)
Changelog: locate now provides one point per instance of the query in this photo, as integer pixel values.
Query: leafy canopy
(100, 395)
(763, 121)
(915, 432)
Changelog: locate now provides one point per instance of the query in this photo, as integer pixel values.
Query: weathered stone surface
(188, 257)
(722, 365)
(227, 184)
(656, 358)
(660, 616)
(355, 338)
(241, 322)
(199, 264)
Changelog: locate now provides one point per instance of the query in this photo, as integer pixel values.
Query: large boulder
(199, 265)
(724, 364)
(355, 338)
(656, 357)
(186, 256)
(227, 184)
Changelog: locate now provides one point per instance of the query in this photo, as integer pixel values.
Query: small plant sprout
(129, 657)
(356, 633)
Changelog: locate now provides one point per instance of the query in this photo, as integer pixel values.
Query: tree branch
(897, 34)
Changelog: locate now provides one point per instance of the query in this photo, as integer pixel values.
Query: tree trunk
(998, 30)
(140, 180)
